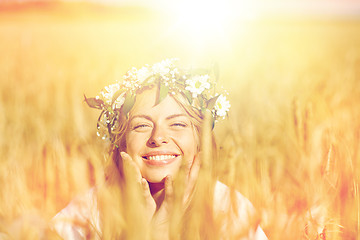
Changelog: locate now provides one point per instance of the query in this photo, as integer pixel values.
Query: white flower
(130, 76)
(222, 106)
(197, 84)
(164, 67)
(142, 74)
(174, 72)
(109, 92)
(161, 68)
(119, 101)
(128, 84)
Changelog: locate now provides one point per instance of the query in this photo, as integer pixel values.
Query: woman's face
(160, 138)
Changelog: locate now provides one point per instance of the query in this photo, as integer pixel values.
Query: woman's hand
(134, 179)
(133, 174)
(160, 217)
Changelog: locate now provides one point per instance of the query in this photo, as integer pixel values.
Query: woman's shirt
(81, 218)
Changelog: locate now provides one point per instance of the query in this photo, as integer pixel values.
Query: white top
(83, 211)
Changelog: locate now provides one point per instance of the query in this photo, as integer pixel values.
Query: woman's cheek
(136, 139)
(132, 144)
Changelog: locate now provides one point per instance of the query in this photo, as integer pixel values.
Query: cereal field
(291, 143)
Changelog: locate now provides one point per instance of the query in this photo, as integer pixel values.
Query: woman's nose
(158, 137)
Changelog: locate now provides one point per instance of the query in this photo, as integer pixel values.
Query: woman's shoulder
(80, 218)
(226, 198)
(237, 212)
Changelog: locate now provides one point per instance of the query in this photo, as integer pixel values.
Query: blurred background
(292, 69)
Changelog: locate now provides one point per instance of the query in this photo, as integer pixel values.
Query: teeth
(160, 157)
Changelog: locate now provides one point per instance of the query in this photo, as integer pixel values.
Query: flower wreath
(197, 85)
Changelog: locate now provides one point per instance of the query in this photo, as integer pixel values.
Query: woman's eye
(141, 126)
(182, 125)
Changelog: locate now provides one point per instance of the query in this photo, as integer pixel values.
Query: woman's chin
(158, 175)
(156, 178)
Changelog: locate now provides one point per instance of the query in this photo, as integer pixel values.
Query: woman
(159, 183)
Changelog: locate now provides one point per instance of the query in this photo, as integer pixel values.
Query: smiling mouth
(159, 160)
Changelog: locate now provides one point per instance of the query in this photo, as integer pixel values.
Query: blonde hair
(114, 173)
(113, 166)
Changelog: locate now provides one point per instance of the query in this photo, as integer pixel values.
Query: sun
(205, 23)
(202, 18)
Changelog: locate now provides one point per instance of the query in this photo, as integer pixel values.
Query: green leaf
(117, 94)
(163, 92)
(98, 123)
(216, 70)
(147, 84)
(201, 100)
(147, 81)
(188, 95)
(109, 109)
(181, 82)
(128, 104)
(211, 102)
(94, 103)
(114, 118)
(114, 144)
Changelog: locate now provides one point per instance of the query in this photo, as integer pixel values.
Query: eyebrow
(175, 116)
(167, 118)
(141, 116)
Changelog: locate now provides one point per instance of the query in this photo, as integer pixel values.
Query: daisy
(222, 106)
(197, 84)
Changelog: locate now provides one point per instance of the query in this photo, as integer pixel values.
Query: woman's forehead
(145, 104)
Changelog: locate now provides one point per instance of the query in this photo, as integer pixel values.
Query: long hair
(113, 165)
(185, 225)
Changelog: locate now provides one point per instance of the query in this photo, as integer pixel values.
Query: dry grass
(291, 144)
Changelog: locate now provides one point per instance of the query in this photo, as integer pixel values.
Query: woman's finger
(161, 217)
(134, 180)
(169, 190)
(149, 200)
(131, 170)
(146, 190)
